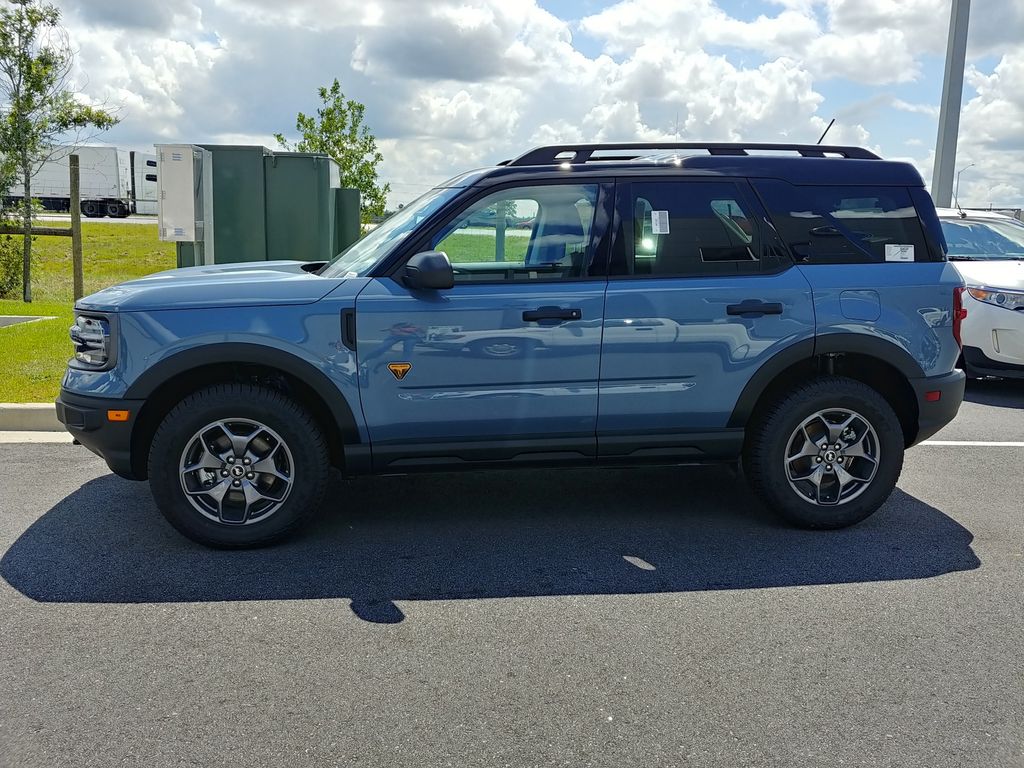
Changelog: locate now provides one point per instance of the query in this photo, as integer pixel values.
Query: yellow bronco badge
(399, 369)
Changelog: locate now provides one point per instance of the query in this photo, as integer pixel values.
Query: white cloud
(846, 47)
(144, 84)
(874, 58)
(473, 113)
(457, 83)
(931, 110)
(992, 135)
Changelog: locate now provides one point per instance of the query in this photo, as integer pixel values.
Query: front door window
(527, 233)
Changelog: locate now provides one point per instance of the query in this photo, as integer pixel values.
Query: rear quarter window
(846, 225)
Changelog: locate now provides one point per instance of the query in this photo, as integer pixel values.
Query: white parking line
(976, 443)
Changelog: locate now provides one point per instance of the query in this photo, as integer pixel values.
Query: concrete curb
(29, 417)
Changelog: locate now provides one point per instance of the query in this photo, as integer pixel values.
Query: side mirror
(429, 270)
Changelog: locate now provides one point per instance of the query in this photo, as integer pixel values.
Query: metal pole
(949, 113)
(76, 228)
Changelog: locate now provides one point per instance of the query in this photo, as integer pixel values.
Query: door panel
(504, 365)
(700, 298)
(690, 375)
(479, 370)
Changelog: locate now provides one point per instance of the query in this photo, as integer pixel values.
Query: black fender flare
(255, 354)
(830, 343)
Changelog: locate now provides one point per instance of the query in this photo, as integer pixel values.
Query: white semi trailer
(113, 182)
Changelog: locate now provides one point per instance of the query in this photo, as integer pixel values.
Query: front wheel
(826, 455)
(237, 465)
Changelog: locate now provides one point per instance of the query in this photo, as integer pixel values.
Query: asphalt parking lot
(646, 617)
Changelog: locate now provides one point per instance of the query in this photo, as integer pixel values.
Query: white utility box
(185, 196)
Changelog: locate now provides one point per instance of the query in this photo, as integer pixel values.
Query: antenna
(827, 129)
(956, 191)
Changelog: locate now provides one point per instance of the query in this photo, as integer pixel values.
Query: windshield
(983, 239)
(363, 255)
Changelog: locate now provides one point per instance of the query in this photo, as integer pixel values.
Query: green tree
(337, 130)
(38, 105)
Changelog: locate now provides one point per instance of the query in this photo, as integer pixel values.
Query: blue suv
(787, 307)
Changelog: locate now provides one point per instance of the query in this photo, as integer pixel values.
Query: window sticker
(899, 252)
(659, 222)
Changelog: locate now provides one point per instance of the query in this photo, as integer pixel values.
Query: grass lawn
(111, 254)
(463, 249)
(35, 354)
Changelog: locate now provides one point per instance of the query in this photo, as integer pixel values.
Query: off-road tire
(769, 437)
(223, 402)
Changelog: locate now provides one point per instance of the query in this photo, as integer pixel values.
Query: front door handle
(551, 315)
(755, 308)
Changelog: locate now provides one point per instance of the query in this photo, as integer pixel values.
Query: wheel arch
(882, 365)
(167, 382)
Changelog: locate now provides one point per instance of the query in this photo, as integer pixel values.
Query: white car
(987, 250)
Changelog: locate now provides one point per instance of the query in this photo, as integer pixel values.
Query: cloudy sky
(450, 85)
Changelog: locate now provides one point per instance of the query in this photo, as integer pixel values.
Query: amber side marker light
(118, 415)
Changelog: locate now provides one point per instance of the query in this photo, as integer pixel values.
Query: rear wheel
(827, 455)
(91, 209)
(238, 466)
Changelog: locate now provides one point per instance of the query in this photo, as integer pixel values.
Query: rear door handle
(755, 308)
(551, 315)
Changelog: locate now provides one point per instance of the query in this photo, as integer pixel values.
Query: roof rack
(576, 154)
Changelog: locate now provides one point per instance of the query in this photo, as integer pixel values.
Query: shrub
(10, 266)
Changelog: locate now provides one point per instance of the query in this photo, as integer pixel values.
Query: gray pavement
(493, 619)
(8, 320)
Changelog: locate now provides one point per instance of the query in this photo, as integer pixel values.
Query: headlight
(91, 337)
(1007, 299)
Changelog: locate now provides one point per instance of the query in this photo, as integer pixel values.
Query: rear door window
(684, 228)
(846, 225)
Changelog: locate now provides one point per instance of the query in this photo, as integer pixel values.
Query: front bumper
(86, 419)
(981, 364)
(936, 412)
(993, 338)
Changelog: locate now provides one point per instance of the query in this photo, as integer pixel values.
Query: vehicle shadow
(479, 535)
(1003, 393)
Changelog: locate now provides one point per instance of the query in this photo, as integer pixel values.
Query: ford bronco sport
(788, 307)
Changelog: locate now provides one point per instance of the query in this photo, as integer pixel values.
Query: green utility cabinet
(274, 205)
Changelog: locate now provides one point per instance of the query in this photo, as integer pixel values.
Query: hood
(994, 273)
(259, 283)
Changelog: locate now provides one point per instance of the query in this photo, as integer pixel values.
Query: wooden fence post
(76, 228)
